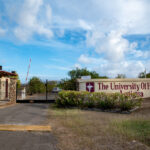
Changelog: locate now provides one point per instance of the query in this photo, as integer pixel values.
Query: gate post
(46, 90)
(16, 91)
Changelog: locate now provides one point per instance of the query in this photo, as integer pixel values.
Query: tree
(67, 84)
(77, 73)
(51, 85)
(148, 75)
(18, 80)
(35, 85)
(142, 75)
(121, 76)
(71, 84)
(18, 84)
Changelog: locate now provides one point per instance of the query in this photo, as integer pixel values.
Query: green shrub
(128, 102)
(108, 102)
(103, 101)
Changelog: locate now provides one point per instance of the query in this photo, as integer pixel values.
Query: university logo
(90, 86)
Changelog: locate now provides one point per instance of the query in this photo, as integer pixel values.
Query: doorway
(6, 88)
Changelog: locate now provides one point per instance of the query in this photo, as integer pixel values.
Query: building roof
(6, 74)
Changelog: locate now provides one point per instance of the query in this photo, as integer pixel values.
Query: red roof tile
(5, 73)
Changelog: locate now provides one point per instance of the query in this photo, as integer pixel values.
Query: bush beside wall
(103, 101)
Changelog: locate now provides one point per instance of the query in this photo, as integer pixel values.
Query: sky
(107, 36)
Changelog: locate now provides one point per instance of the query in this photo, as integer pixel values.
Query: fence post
(46, 90)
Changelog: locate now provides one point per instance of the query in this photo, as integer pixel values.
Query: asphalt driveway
(26, 114)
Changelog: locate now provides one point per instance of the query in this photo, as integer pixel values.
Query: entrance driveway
(26, 114)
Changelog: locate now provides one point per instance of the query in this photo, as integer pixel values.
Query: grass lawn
(135, 129)
(78, 129)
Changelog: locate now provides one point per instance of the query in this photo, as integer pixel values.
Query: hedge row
(103, 101)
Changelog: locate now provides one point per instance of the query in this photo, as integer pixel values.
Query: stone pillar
(12, 90)
(0, 90)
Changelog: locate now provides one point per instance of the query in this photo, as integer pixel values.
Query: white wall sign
(138, 86)
(85, 77)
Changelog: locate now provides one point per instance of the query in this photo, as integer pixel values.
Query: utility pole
(145, 72)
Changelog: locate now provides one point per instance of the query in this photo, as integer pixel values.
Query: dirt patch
(90, 130)
(144, 111)
(8, 104)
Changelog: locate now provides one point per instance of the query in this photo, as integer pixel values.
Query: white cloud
(145, 42)
(130, 68)
(22, 33)
(30, 20)
(107, 14)
(2, 31)
(49, 13)
(140, 53)
(104, 67)
(84, 59)
(77, 66)
(103, 15)
(106, 23)
(130, 14)
(57, 67)
(84, 25)
(64, 68)
(112, 44)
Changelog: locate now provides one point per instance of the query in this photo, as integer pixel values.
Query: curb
(6, 127)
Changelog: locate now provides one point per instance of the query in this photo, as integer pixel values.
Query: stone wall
(0, 89)
(12, 90)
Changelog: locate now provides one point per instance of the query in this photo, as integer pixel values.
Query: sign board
(85, 77)
(138, 86)
(90, 86)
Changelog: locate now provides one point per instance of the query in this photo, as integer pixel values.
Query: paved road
(28, 114)
(24, 114)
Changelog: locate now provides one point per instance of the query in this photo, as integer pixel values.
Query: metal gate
(38, 94)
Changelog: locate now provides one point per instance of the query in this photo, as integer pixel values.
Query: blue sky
(109, 37)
